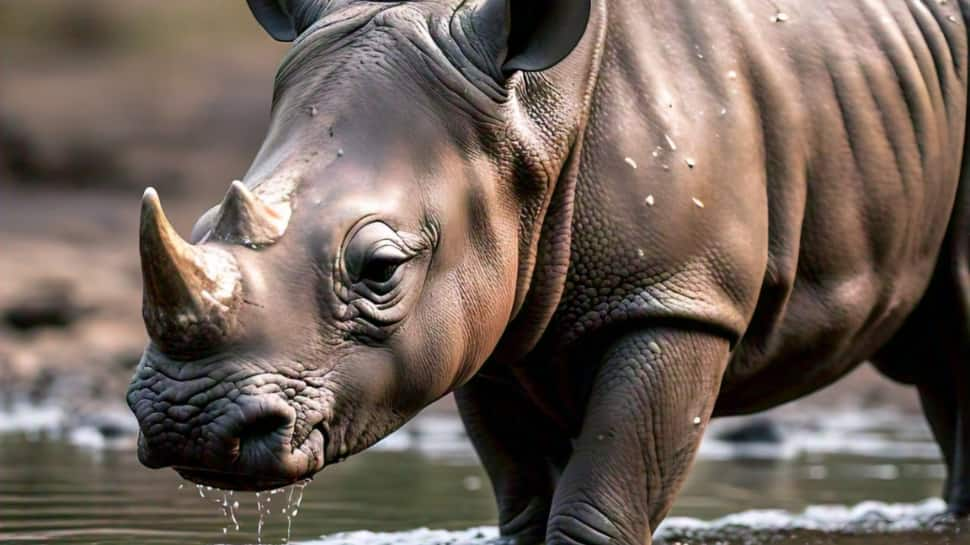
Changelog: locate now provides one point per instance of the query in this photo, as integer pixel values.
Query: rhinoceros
(598, 223)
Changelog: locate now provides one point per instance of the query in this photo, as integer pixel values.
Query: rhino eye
(374, 254)
(381, 265)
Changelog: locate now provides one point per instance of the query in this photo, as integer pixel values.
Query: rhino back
(780, 172)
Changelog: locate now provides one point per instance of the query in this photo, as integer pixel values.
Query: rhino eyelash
(417, 244)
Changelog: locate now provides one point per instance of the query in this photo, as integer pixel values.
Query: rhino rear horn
(243, 218)
(191, 293)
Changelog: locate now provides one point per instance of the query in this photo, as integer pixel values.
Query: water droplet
(340, 152)
(259, 521)
(689, 162)
(640, 252)
(697, 421)
(181, 486)
(649, 200)
(313, 111)
(697, 202)
(779, 17)
(670, 142)
(631, 162)
(732, 74)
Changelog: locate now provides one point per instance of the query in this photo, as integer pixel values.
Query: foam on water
(29, 418)
(419, 536)
(112, 428)
(867, 518)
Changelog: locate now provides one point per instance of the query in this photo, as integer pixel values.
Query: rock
(51, 305)
(755, 430)
(110, 424)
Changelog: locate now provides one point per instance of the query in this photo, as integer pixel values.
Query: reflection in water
(53, 490)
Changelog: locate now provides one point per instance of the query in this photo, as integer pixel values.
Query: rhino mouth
(261, 463)
(232, 424)
(231, 481)
(244, 479)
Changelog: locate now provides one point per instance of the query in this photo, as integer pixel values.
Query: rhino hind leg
(941, 411)
(932, 352)
(958, 279)
(927, 353)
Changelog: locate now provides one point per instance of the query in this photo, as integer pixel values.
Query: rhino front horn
(191, 293)
(245, 219)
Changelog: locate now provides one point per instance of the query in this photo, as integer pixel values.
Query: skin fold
(599, 224)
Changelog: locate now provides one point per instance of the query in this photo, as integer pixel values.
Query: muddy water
(68, 486)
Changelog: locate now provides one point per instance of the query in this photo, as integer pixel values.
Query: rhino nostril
(268, 427)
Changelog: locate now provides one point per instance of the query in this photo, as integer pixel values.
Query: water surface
(71, 486)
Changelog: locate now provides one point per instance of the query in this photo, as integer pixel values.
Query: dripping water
(230, 507)
(292, 508)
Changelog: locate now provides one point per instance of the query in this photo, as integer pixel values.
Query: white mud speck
(670, 142)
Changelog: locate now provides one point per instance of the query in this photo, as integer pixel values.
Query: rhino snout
(245, 442)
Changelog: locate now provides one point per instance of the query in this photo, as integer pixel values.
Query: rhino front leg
(650, 402)
(521, 449)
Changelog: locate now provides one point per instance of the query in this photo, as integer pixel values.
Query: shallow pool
(69, 485)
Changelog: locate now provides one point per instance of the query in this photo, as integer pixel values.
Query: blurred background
(101, 98)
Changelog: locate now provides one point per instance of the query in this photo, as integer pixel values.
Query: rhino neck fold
(542, 274)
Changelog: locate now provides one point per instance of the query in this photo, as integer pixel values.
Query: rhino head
(377, 249)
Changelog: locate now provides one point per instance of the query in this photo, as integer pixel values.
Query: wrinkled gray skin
(463, 219)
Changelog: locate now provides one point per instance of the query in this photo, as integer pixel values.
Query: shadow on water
(53, 489)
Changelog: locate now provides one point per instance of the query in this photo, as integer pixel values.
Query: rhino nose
(234, 443)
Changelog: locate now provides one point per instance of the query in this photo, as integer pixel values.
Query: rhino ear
(542, 32)
(273, 17)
